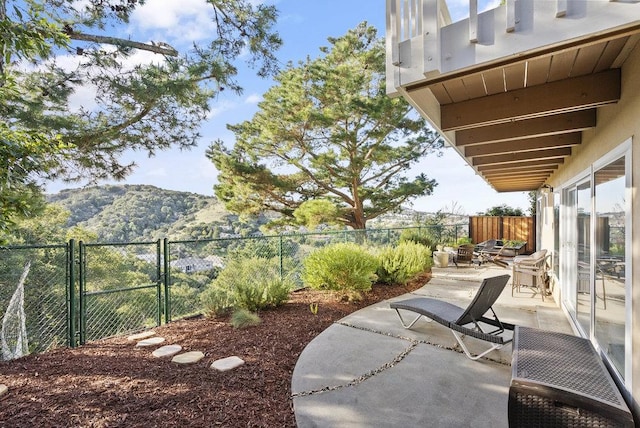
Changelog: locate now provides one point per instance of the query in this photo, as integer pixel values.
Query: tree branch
(159, 48)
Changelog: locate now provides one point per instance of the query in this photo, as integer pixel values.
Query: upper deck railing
(423, 42)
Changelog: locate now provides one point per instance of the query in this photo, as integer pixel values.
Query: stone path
(148, 339)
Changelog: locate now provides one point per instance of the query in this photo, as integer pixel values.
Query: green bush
(341, 267)
(399, 264)
(419, 237)
(248, 283)
(243, 318)
(216, 300)
(464, 240)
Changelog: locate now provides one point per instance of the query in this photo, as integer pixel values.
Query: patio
(368, 371)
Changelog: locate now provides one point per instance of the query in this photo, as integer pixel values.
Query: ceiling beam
(516, 157)
(577, 93)
(511, 174)
(507, 169)
(518, 188)
(519, 180)
(548, 142)
(522, 165)
(536, 127)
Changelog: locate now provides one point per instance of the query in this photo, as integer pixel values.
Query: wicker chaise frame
(463, 322)
(559, 380)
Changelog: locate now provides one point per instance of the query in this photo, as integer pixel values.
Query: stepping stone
(167, 351)
(153, 341)
(142, 335)
(3, 389)
(225, 364)
(188, 357)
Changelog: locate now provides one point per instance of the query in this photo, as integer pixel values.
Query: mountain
(143, 213)
(134, 213)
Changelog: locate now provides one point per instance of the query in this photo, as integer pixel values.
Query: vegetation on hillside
(135, 213)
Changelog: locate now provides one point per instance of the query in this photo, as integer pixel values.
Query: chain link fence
(119, 288)
(78, 293)
(41, 308)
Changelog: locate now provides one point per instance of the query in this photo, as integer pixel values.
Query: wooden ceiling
(517, 122)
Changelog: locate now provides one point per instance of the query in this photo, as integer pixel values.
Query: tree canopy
(327, 130)
(503, 211)
(52, 50)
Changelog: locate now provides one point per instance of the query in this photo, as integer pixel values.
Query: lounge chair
(492, 251)
(463, 321)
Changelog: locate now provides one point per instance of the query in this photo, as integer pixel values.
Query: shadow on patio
(368, 371)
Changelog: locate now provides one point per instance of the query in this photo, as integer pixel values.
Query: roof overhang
(516, 119)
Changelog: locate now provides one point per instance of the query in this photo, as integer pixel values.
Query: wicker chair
(535, 265)
(464, 254)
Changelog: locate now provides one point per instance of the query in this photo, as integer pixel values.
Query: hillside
(134, 213)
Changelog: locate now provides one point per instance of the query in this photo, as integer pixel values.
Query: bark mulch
(109, 383)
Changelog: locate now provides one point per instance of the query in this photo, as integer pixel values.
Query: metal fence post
(159, 282)
(281, 254)
(167, 281)
(82, 328)
(71, 293)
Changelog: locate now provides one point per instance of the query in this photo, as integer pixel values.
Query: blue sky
(304, 26)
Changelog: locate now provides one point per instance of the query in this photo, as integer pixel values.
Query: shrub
(249, 283)
(216, 300)
(464, 240)
(342, 267)
(419, 237)
(243, 318)
(400, 264)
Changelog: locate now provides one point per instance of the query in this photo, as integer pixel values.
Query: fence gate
(120, 288)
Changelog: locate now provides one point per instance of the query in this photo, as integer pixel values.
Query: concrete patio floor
(366, 370)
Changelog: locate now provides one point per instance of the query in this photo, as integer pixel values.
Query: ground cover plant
(108, 383)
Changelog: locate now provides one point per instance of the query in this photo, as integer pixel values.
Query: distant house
(217, 261)
(544, 96)
(192, 264)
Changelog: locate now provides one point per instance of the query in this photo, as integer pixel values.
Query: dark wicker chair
(464, 254)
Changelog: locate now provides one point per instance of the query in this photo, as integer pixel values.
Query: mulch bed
(109, 383)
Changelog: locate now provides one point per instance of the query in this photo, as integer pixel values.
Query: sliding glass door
(594, 247)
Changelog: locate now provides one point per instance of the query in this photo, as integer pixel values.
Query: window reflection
(610, 261)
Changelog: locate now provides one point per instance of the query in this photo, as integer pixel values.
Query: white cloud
(184, 20)
(141, 57)
(85, 96)
(253, 99)
(221, 107)
(459, 9)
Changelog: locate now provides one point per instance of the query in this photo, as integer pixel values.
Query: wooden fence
(482, 228)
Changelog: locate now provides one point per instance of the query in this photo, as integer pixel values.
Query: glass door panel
(567, 244)
(610, 293)
(583, 246)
